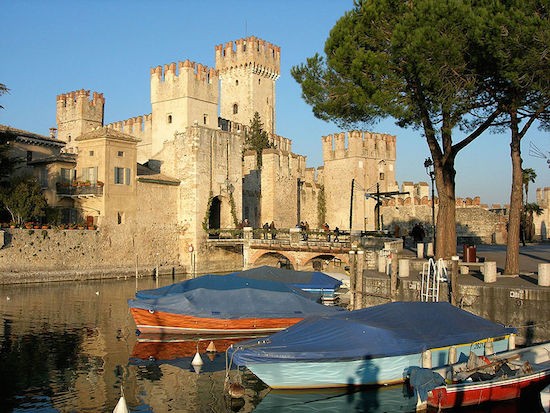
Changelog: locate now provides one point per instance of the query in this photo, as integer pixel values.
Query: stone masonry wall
(28, 255)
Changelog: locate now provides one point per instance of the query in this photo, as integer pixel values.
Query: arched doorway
(214, 213)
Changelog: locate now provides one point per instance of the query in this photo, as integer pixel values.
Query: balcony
(79, 189)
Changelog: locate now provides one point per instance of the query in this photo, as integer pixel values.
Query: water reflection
(69, 347)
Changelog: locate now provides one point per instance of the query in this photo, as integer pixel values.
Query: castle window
(122, 176)
(237, 82)
(119, 217)
(90, 174)
(29, 156)
(235, 109)
(67, 175)
(69, 138)
(381, 176)
(91, 153)
(43, 177)
(259, 81)
(169, 118)
(205, 119)
(120, 153)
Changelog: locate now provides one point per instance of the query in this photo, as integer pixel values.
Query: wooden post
(454, 280)
(359, 279)
(393, 276)
(353, 279)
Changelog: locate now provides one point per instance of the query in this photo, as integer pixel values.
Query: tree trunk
(514, 216)
(446, 216)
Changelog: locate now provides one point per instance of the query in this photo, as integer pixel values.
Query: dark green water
(71, 347)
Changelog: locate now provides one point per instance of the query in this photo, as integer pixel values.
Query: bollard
(427, 359)
(489, 271)
(429, 249)
(420, 250)
(489, 348)
(452, 355)
(544, 275)
(403, 268)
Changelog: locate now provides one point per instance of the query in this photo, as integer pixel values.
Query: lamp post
(429, 165)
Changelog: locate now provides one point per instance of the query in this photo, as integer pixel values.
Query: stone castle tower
(77, 114)
(248, 69)
(182, 95)
(369, 160)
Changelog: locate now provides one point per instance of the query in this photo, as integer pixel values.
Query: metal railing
(79, 189)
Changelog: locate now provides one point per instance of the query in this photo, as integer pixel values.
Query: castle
(156, 184)
(184, 167)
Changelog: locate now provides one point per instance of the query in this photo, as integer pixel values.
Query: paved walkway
(530, 256)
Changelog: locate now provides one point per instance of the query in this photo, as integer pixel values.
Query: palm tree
(528, 175)
(528, 210)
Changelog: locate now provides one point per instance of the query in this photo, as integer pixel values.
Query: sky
(108, 46)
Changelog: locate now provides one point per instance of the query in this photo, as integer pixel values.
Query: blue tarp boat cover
(215, 296)
(306, 280)
(382, 331)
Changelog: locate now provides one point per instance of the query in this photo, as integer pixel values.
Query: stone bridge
(289, 248)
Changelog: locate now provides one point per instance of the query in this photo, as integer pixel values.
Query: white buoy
(545, 399)
(211, 347)
(197, 360)
(121, 406)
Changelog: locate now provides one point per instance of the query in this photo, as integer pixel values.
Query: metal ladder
(432, 274)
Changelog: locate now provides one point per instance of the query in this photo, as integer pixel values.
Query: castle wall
(248, 70)
(279, 184)
(86, 251)
(474, 224)
(141, 128)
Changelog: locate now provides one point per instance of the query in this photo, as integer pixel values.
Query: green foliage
(256, 138)
(7, 163)
(23, 199)
(528, 175)
(207, 213)
(437, 66)
(3, 90)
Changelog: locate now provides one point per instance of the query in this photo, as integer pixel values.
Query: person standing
(272, 230)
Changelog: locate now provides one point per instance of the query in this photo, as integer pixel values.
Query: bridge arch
(272, 258)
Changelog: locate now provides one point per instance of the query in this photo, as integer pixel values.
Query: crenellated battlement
(543, 197)
(78, 112)
(359, 144)
(257, 55)
(186, 71)
(80, 97)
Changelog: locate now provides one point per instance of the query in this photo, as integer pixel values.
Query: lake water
(71, 347)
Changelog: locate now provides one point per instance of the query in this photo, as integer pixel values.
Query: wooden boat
(506, 376)
(372, 346)
(311, 281)
(214, 304)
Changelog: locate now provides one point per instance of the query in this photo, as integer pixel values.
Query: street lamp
(429, 165)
